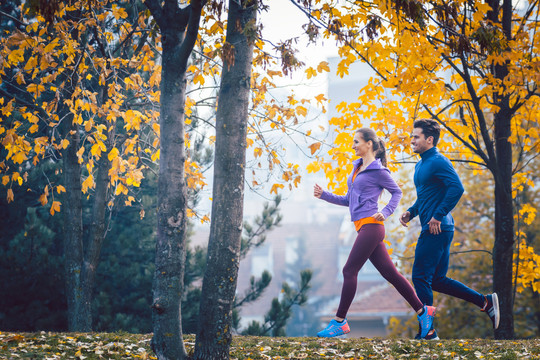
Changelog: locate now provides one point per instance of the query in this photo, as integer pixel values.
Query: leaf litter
(52, 346)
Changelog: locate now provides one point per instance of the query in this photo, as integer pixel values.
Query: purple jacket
(363, 194)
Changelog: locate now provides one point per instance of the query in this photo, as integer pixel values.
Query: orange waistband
(367, 220)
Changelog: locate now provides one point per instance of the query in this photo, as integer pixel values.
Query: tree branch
(156, 10)
(192, 31)
(488, 142)
(321, 25)
(23, 102)
(13, 18)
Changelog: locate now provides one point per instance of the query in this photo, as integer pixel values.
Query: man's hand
(434, 226)
(405, 218)
(317, 191)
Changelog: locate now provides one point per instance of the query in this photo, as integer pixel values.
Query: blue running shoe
(335, 328)
(491, 307)
(426, 320)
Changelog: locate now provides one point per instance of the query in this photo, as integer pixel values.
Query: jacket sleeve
(336, 199)
(454, 188)
(387, 182)
(413, 210)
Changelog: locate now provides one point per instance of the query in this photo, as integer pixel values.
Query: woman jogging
(368, 179)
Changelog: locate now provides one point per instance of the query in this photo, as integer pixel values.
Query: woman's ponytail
(380, 153)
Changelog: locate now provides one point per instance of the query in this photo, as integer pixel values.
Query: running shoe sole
(497, 315)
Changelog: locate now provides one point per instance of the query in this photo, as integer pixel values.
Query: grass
(47, 345)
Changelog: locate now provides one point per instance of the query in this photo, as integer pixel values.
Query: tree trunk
(171, 230)
(78, 320)
(503, 248)
(179, 28)
(536, 311)
(219, 284)
(95, 240)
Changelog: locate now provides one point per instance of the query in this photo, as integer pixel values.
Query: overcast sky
(283, 21)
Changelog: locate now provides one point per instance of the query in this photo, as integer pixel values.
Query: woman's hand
(378, 216)
(317, 191)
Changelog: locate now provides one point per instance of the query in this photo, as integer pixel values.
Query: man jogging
(438, 190)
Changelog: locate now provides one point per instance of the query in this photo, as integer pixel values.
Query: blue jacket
(363, 195)
(438, 190)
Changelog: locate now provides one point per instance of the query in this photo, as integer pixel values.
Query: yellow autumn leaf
(342, 69)
(37, 89)
(88, 125)
(50, 46)
(95, 150)
(80, 153)
(20, 78)
(275, 188)
(118, 12)
(19, 157)
(314, 147)
(10, 195)
(60, 189)
(300, 110)
(323, 66)
(121, 189)
(43, 199)
(155, 156)
(320, 98)
(113, 154)
(198, 79)
(55, 207)
(313, 167)
(310, 72)
(88, 183)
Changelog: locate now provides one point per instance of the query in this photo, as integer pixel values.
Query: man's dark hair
(429, 128)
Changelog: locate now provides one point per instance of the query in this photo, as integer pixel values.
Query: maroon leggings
(369, 245)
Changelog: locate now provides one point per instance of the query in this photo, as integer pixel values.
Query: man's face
(419, 142)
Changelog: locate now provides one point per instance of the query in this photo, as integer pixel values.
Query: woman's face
(360, 147)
